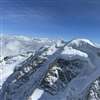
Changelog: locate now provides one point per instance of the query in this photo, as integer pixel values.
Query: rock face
(56, 71)
(94, 91)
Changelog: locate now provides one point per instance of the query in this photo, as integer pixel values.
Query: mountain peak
(81, 41)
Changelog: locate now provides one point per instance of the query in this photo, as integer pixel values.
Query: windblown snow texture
(40, 69)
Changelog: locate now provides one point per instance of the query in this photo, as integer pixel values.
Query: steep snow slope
(88, 47)
(55, 71)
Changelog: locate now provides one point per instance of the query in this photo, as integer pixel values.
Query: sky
(54, 19)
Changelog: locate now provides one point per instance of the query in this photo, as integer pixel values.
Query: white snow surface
(70, 53)
(37, 94)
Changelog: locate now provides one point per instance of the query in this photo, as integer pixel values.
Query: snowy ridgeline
(40, 69)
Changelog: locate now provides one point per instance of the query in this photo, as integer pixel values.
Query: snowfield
(41, 69)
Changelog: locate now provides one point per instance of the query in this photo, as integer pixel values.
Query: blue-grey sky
(54, 19)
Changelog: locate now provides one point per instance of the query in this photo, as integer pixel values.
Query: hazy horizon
(53, 19)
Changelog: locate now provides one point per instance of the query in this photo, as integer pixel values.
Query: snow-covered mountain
(40, 69)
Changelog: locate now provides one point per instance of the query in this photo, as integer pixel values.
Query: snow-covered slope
(15, 49)
(11, 45)
(39, 69)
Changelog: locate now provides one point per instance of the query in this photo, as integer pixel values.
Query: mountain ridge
(51, 69)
